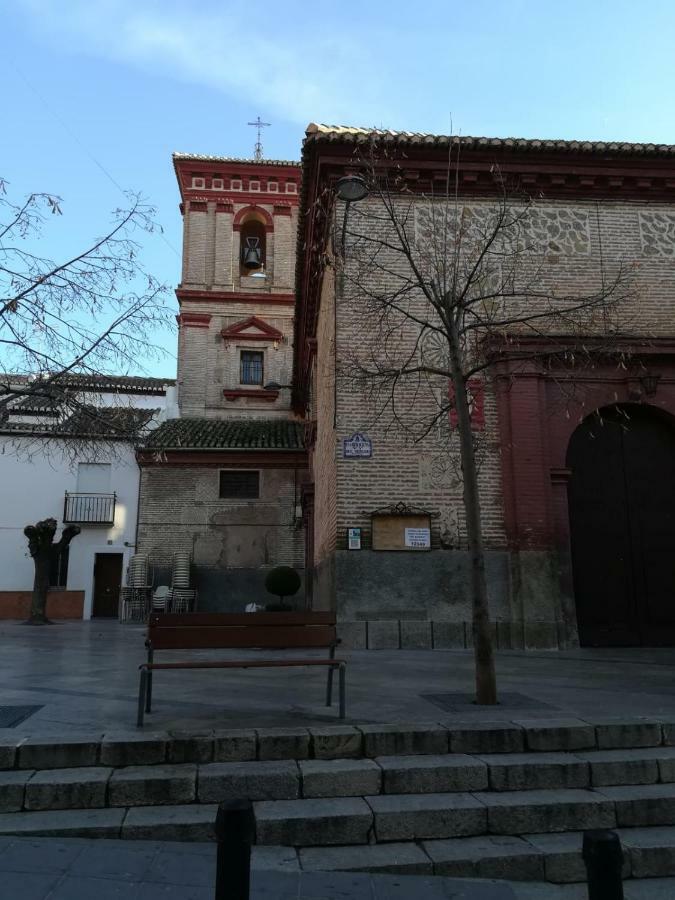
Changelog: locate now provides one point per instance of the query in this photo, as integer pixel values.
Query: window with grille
(239, 484)
(251, 366)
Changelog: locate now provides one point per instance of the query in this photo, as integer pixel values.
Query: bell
(252, 254)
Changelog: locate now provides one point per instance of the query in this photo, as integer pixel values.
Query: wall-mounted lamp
(650, 383)
(351, 188)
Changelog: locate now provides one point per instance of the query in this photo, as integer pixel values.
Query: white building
(53, 466)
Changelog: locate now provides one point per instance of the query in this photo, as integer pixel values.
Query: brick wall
(323, 410)
(576, 245)
(210, 364)
(425, 472)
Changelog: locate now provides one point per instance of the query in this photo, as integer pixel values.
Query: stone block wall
(232, 542)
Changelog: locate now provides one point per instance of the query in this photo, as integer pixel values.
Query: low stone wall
(392, 600)
(429, 634)
(60, 604)
(221, 590)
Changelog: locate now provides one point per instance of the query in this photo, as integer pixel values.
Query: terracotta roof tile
(349, 134)
(200, 157)
(219, 434)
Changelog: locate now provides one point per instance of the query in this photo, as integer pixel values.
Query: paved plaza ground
(75, 869)
(79, 869)
(84, 676)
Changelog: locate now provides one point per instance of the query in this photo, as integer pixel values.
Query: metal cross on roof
(258, 150)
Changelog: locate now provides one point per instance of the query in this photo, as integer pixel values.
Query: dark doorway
(622, 524)
(107, 581)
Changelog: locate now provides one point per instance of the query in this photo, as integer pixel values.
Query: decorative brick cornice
(193, 320)
(250, 394)
(257, 297)
(221, 171)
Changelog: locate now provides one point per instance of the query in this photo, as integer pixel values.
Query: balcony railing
(91, 509)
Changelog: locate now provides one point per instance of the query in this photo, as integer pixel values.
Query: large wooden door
(622, 520)
(107, 581)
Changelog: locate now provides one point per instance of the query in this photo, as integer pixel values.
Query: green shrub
(282, 581)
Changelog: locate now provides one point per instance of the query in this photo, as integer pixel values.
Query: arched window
(253, 243)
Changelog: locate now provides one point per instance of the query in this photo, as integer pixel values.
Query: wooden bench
(207, 631)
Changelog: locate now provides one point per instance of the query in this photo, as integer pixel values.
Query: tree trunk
(38, 605)
(43, 550)
(486, 681)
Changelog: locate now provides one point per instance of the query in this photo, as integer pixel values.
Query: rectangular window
(239, 484)
(93, 478)
(251, 366)
(58, 570)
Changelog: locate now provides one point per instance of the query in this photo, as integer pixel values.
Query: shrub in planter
(282, 581)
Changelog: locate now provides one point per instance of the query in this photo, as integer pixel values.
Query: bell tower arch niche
(621, 495)
(255, 247)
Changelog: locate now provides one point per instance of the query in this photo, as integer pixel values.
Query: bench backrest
(176, 631)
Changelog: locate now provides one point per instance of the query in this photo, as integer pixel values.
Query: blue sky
(123, 83)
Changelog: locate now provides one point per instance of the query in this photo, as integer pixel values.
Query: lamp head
(351, 188)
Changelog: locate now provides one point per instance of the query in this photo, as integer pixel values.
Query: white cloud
(244, 51)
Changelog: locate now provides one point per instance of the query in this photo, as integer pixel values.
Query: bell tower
(236, 294)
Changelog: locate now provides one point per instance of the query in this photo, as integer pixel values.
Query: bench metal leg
(148, 693)
(329, 686)
(329, 681)
(341, 676)
(142, 688)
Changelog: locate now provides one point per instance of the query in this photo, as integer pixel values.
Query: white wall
(33, 488)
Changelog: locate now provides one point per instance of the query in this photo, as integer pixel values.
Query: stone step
(97, 787)
(138, 747)
(555, 858)
(417, 817)
(193, 822)
(337, 834)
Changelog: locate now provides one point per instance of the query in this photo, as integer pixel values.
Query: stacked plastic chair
(161, 598)
(183, 596)
(135, 597)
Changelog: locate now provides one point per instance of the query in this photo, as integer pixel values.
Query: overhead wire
(66, 127)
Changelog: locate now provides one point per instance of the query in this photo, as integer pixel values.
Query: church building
(577, 479)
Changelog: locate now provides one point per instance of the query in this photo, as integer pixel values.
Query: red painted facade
(538, 414)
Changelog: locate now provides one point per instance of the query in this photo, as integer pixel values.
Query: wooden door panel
(601, 549)
(622, 520)
(107, 581)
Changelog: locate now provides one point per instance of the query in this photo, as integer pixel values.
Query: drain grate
(459, 702)
(11, 716)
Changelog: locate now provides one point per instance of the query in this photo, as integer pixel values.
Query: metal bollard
(603, 857)
(235, 832)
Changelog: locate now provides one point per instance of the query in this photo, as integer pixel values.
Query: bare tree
(92, 314)
(439, 288)
(44, 552)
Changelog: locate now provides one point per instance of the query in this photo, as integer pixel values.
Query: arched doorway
(622, 523)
